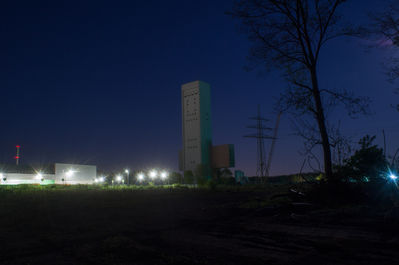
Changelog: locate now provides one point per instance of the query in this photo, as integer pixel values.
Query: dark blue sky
(98, 82)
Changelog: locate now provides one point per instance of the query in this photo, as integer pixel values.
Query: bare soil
(181, 226)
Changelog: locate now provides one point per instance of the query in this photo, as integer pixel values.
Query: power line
(260, 135)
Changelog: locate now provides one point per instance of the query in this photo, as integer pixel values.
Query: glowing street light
(164, 175)
(39, 176)
(140, 177)
(153, 174)
(127, 176)
(68, 174)
(119, 178)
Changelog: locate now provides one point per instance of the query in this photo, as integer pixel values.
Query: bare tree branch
(289, 35)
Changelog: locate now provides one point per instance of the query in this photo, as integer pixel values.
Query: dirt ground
(181, 226)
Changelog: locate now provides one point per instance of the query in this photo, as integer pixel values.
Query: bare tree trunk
(322, 125)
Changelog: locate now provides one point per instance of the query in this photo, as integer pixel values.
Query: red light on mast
(17, 156)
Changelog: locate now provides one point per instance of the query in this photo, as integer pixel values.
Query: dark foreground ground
(182, 226)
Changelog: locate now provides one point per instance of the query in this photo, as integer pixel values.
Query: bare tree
(289, 35)
(385, 30)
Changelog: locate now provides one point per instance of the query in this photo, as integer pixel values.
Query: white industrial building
(197, 128)
(58, 173)
(198, 149)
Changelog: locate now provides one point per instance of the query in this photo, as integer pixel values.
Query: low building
(57, 173)
(222, 156)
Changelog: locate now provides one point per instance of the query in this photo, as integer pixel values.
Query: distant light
(118, 178)
(153, 174)
(39, 176)
(140, 177)
(95, 180)
(126, 171)
(393, 177)
(18, 146)
(164, 175)
(102, 179)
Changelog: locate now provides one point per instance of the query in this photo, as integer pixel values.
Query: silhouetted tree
(385, 28)
(188, 177)
(289, 35)
(226, 172)
(201, 174)
(175, 177)
(384, 31)
(367, 163)
(216, 173)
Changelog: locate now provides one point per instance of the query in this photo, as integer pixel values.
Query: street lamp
(164, 175)
(68, 174)
(127, 176)
(153, 174)
(119, 178)
(39, 176)
(140, 177)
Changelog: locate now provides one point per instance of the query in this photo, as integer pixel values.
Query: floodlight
(393, 177)
(153, 174)
(164, 175)
(102, 179)
(95, 180)
(126, 171)
(140, 177)
(118, 178)
(39, 176)
(69, 173)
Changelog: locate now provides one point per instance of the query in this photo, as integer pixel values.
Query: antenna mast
(17, 156)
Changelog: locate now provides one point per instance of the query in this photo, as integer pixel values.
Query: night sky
(98, 82)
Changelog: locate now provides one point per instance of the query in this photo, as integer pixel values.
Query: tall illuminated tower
(197, 128)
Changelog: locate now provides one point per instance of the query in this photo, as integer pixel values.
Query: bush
(188, 177)
(175, 177)
(227, 181)
(367, 164)
(202, 180)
